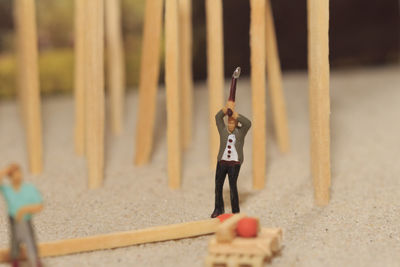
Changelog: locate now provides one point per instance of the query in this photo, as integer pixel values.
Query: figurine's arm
(246, 123)
(219, 119)
(28, 209)
(35, 204)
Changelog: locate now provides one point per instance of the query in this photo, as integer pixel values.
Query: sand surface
(360, 226)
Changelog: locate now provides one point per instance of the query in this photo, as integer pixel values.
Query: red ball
(247, 227)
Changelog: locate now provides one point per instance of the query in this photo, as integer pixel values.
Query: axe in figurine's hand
(232, 93)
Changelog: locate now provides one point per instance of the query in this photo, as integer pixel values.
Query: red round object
(224, 217)
(247, 227)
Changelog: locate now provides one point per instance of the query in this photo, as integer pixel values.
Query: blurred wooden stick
(172, 85)
(257, 46)
(79, 76)
(28, 80)
(215, 70)
(148, 84)
(318, 64)
(116, 67)
(185, 23)
(95, 92)
(20, 75)
(278, 105)
(123, 239)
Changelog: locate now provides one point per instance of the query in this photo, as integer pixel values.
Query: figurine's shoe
(15, 263)
(39, 263)
(235, 210)
(216, 213)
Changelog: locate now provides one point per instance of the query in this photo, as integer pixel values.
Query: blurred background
(362, 33)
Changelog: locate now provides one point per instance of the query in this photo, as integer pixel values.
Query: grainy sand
(360, 226)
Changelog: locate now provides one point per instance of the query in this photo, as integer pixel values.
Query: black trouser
(220, 174)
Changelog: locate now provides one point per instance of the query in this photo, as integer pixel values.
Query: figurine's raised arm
(219, 119)
(246, 123)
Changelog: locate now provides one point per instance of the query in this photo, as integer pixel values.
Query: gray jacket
(239, 133)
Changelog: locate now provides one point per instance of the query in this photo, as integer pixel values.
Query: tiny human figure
(23, 200)
(230, 156)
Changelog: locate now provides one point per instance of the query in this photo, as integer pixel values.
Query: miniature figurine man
(230, 156)
(23, 200)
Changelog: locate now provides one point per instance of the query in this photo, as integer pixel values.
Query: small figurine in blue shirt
(23, 200)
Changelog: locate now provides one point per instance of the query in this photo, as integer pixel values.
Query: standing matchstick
(257, 46)
(79, 76)
(215, 69)
(185, 23)
(116, 67)
(318, 64)
(28, 80)
(148, 84)
(278, 105)
(172, 85)
(95, 91)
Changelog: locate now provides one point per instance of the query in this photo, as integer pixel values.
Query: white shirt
(230, 153)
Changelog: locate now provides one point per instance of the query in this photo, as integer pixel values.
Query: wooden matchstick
(123, 239)
(116, 67)
(278, 104)
(257, 46)
(185, 23)
(28, 80)
(95, 92)
(172, 86)
(318, 64)
(215, 70)
(20, 73)
(79, 76)
(148, 84)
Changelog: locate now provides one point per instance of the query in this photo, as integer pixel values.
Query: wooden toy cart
(238, 251)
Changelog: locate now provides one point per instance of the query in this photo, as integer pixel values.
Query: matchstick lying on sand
(123, 239)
